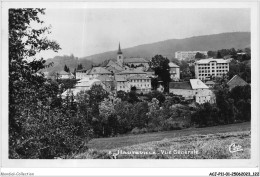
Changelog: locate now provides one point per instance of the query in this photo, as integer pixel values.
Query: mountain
(237, 40)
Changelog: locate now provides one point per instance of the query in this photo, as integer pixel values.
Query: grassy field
(210, 146)
(129, 140)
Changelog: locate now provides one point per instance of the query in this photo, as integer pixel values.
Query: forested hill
(237, 40)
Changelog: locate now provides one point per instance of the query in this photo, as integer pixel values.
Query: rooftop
(173, 65)
(236, 81)
(99, 70)
(197, 84)
(135, 60)
(180, 85)
(205, 61)
(138, 77)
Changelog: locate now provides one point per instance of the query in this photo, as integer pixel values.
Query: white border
(254, 162)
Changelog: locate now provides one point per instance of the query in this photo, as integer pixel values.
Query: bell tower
(120, 57)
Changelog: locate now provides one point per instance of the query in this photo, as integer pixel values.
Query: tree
(96, 95)
(219, 55)
(66, 69)
(161, 67)
(79, 67)
(36, 128)
(200, 56)
(212, 54)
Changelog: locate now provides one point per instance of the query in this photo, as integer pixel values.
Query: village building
(193, 89)
(236, 81)
(206, 68)
(182, 55)
(65, 75)
(122, 83)
(142, 83)
(174, 71)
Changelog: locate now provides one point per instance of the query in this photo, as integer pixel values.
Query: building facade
(206, 68)
(194, 89)
(182, 55)
(174, 71)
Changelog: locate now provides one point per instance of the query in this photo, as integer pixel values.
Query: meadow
(194, 143)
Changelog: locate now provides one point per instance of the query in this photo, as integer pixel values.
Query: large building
(193, 89)
(206, 68)
(182, 55)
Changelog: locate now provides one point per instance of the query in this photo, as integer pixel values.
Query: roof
(104, 78)
(99, 70)
(210, 83)
(132, 71)
(120, 78)
(173, 65)
(236, 81)
(119, 50)
(135, 60)
(180, 85)
(69, 92)
(64, 73)
(82, 70)
(197, 84)
(87, 83)
(205, 61)
(149, 70)
(138, 77)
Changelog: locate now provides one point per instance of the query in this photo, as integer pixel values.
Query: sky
(84, 32)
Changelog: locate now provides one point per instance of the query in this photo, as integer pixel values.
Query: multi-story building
(142, 83)
(174, 71)
(182, 55)
(206, 68)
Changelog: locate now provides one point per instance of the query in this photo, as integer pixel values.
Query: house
(174, 71)
(142, 83)
(87, 84)
(65, 75)
(122, 83)
(98, 71)
(193, 89)
(236, 81)
(108, 81)
(80, 74)
(206, 68)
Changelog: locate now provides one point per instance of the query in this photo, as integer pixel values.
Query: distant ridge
(237, 40)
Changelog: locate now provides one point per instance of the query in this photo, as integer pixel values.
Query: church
(122, 63)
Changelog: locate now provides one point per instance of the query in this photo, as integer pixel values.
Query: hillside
(60, 61)
(237, 40)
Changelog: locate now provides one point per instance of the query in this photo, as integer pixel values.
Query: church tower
(120, 57)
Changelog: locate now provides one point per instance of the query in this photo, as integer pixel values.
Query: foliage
(66, 69)
(200, 56)
(156, 94)
(41, 125)
(161, 67)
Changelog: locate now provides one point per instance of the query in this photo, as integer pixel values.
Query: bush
(136, 131)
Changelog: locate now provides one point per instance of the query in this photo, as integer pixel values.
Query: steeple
(119, 50)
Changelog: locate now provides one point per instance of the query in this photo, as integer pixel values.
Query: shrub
(136, 131)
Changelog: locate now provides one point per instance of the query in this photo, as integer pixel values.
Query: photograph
(129, 83)
(152, 86)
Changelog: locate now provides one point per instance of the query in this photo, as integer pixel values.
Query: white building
(206, 68)
(193, 89)
(182, 55)
(142, 83)
(174, 71)
(65, 75)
